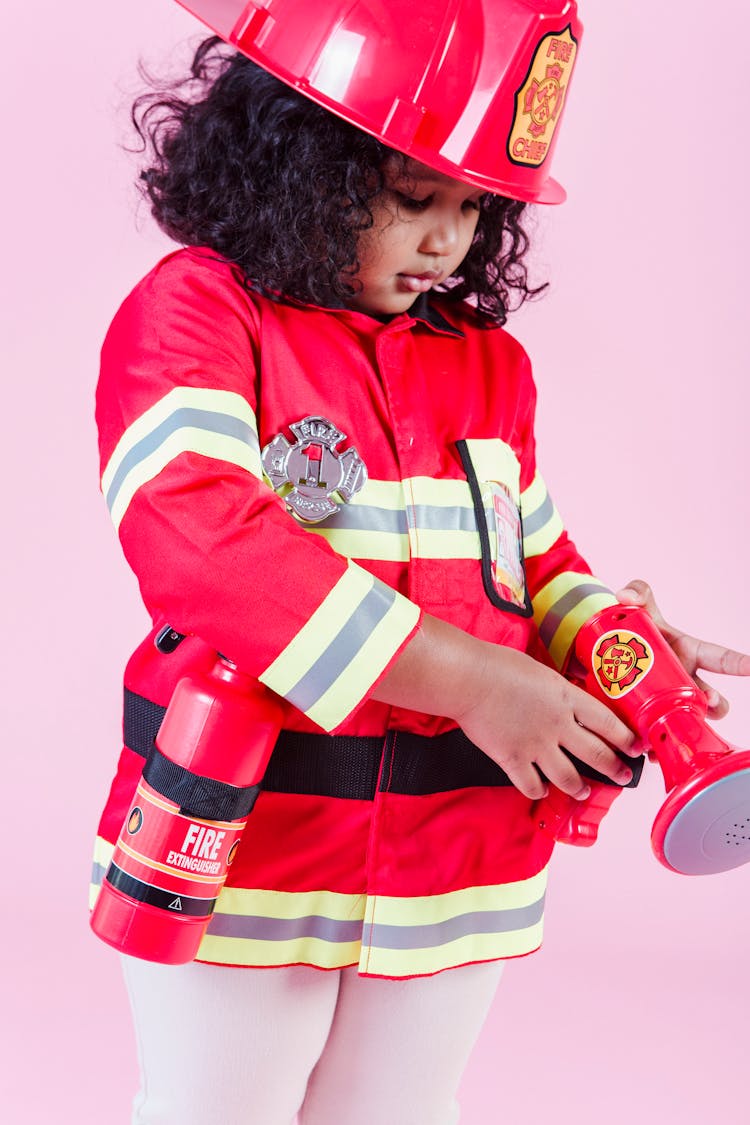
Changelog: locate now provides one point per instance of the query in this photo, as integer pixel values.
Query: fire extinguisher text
(205, 842)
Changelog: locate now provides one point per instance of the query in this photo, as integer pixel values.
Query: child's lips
(419, 282)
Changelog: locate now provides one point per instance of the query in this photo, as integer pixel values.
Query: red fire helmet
(472, 88)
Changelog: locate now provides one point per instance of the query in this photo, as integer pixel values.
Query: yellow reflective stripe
(357, 544)
(452, 499)
(269, 954)
(542, 525)
(328, 929)
(431, 544)
(290, 904)
(380, 494)
(393, 521)
(464, 951)
(103, 852)
(418, 910)
(319, 631)
(438, 493)
(192, 398)
(366, 667)
(217, 424)
(534, 496)
(407, 936)
(494, 459)
(340, 651)
(259, 927)
(428, 544)
(564, 605)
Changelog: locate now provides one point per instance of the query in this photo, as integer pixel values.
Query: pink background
(636, 1008)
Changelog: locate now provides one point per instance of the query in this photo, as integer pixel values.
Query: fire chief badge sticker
(620, 661)
(314, 468)
(539, 101)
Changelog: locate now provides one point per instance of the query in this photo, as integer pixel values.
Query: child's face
(424, 225)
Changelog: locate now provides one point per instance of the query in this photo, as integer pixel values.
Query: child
(335, 323)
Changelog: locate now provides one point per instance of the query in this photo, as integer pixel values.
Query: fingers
(593, 716)
(718, 706)
(587, 747)
(638, 592)
(692, 653)
(597, 754)
(527, 779)
(561, 772)
(716, 658)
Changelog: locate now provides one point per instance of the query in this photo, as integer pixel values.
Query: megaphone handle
(571, 821)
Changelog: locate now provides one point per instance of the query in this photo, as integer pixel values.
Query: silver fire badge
(314, 468)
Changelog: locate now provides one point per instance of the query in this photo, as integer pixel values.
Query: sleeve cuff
(563, 606)
(340, 653)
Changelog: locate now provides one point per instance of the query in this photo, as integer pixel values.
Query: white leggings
(227, 1046)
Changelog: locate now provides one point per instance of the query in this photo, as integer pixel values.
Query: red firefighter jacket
(198, 377)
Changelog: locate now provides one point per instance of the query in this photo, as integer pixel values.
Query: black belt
(347, 766)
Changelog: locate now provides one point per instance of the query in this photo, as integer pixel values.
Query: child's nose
(441, 237)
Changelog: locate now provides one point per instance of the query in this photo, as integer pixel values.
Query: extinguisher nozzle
(704, 826)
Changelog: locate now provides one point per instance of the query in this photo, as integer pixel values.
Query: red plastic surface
(472, 88)
(223, 726)
(144, 931)
(571, 821)
(624, 661)
(702, 776)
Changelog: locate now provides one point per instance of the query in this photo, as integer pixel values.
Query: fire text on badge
(540, 99)
(314, 468)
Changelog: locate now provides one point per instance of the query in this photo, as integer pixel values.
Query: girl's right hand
(522, 714)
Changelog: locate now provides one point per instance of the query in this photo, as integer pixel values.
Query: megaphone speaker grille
(704, 826)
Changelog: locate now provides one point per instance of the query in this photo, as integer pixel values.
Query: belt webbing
(349, 766)
(195, 794)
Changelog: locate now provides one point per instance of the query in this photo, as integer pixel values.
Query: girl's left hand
(692, 653)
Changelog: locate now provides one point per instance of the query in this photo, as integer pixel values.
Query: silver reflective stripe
(364, 517)
(97, 874)
(343, 648)
(423, 517)
(555, 614)
(431, 517)
(258, 928)
(536, 520)
(434, 934)
(184, 417)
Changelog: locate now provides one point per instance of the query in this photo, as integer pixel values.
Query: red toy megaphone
(704, 825)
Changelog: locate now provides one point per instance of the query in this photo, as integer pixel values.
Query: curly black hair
(281, 188)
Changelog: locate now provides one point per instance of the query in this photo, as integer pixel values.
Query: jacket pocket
(493, 474)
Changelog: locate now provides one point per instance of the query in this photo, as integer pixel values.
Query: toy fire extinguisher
(704, 825)
(185, 821)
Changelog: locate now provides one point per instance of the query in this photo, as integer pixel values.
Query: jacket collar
(423, 311)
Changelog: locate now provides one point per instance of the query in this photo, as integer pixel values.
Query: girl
(320, 377)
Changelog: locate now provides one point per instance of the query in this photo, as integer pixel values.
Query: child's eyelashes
(411, 203)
